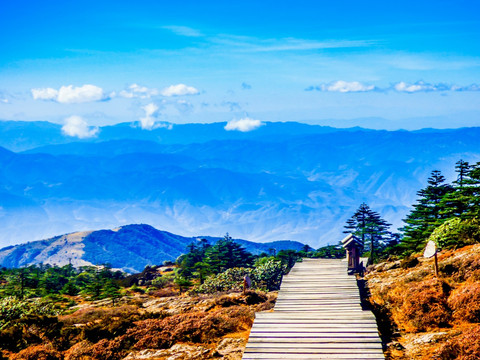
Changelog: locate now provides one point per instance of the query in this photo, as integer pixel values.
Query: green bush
(267, 275)
(455, 233)
(229, 280)
(12, 309)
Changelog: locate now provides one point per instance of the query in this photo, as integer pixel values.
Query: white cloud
(44, 94)
(402, 86)
(137, 91)
(76, 126)
(411, 88)
(421, 86)
(178, 90)
(70, 94)
(243, 125)
(254, 44)
(343, 87)
(85, 93)
(148, 121)
(183, 30)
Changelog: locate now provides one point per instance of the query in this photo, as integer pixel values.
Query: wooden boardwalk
(317, 316)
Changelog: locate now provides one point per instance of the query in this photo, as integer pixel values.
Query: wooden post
(431, 251)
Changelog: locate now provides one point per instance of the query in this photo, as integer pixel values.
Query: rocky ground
(425, 317)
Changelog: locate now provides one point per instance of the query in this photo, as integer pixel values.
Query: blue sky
(89, 63)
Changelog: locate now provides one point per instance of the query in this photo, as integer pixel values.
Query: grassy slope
(430, 318)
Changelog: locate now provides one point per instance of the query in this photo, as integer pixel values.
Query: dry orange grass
(420, 306)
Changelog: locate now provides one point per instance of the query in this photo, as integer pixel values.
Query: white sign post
(430, 251)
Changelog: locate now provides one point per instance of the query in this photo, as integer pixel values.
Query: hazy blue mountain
(129, 248)
(26, 135)
(281, 181)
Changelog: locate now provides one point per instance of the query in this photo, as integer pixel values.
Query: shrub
(409, 262)
(199, 327)
(254, 298)
(468, 268)
(167, 292)
(455, 233)
(465, 302)
(39, 352)
(463, 347)
(12, 309)
(88, 315)
(268, 274)
(79, 351)
(229, 280)
(250, 298)
(424, 306)
(108, 350)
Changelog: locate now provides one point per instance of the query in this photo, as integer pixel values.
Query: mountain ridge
(129, 248)
(300, 186)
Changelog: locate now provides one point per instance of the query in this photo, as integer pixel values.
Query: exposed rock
(231, 348)
(176, 352)
(176, 305)
(430, 338)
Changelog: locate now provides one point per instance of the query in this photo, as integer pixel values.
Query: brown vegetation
(111, 333)
(431, 318)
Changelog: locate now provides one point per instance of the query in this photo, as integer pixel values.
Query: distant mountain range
(281, 181)
(129, 248)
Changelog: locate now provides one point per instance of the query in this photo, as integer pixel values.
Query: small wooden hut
(354, 247)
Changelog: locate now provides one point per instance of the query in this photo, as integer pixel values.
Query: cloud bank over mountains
(402, 86)
(244, 125)
(76, 126)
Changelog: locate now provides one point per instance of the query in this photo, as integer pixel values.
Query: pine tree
(455, 203)
(470, 193)
(427, 213)
(226, 254)
(368, 225)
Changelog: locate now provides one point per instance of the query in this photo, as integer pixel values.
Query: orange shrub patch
(419, 306)
(465, 302)
(39, 352)
(463, 347)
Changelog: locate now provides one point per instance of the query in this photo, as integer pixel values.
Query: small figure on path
(247, 283)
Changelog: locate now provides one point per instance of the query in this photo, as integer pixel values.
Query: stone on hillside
(231, 348)
(176, 352)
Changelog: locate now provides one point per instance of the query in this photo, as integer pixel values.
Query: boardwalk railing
(317, 316)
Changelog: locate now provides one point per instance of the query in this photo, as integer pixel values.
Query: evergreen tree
(470, 193)
(226, 254)
(428, 213)
(369, 226)
(187, 263)
(455, 203)
(111, 290)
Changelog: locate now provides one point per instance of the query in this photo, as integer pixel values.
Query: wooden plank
(311, 350)
(296, 340)
(305, 326)
(300, 345)
(259, 356)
